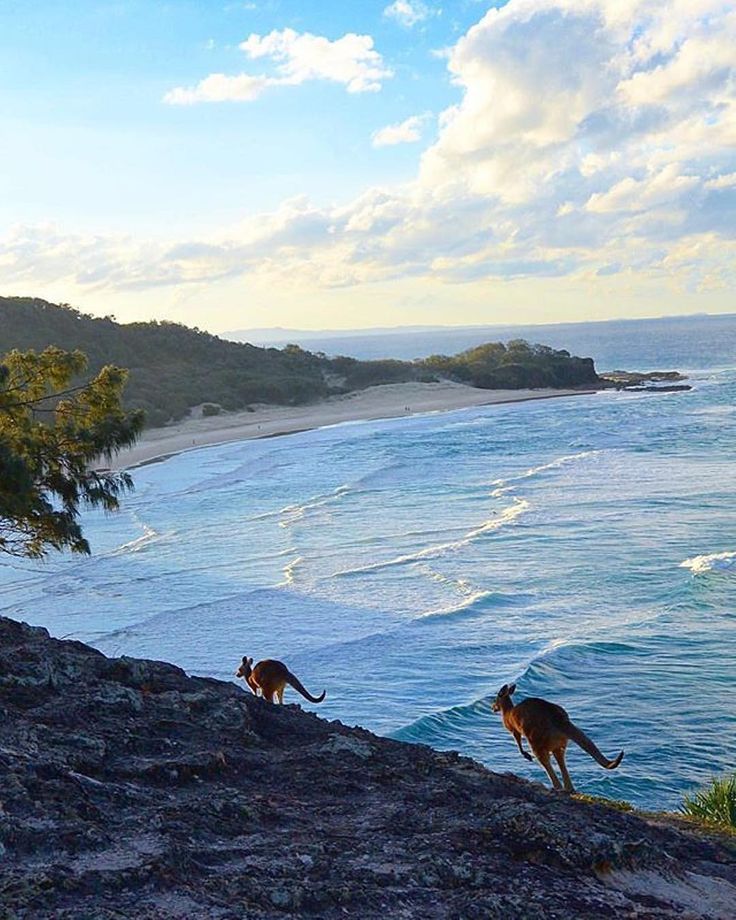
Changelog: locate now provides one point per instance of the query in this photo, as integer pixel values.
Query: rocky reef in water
(645, 381)
(130, 790)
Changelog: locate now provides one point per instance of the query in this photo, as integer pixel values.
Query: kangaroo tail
(582, 740)
(300, 688)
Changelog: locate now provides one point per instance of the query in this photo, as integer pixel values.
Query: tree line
(74, 389)
(172, 367)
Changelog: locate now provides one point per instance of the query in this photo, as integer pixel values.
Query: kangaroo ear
(511, 689)
(503, 690)
(250, 661)
(245, 659)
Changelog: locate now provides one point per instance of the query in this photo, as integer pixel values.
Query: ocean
(584, 548)
(632, 344)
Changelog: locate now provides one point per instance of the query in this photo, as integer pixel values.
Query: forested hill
(173, 367)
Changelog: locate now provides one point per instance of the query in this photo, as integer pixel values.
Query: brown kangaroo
(547, 728)
(270, 677)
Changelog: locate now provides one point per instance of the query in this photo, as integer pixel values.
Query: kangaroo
(547, 728)
(270, 677)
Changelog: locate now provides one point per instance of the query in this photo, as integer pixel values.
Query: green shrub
(173, 368)
(209, 409)
(715, 803)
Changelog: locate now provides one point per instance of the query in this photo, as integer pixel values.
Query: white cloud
(297, 58)
(590, 143)
(405, 132)
(408, 12)
(726, 181)
(654, 190)
(218, 87)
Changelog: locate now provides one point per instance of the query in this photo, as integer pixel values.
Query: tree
(52, 429)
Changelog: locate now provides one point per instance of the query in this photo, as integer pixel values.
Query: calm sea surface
(584, 547)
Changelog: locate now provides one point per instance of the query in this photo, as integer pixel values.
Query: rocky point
(131, 790)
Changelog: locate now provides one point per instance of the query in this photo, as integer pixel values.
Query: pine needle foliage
(53, 427)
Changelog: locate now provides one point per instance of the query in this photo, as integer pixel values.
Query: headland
(130, 789)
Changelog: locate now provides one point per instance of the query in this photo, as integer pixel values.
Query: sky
(330, 164)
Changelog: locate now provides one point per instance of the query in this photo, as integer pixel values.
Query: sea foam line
(441, 613)
(507, 516)
(709, 562)
(290, 569)
(505, 485)
(133, 546)
(293, 513)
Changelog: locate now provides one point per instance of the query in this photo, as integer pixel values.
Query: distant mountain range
(278, 334)
(281, 332)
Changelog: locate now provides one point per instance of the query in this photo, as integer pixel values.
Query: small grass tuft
(715, 804)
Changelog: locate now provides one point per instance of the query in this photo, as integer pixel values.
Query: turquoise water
(584, 547)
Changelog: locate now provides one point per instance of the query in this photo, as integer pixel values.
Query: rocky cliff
(130, 790)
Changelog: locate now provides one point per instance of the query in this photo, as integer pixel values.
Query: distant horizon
(279, 332)
(388, 330)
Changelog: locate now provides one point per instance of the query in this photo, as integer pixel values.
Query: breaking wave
(711, 562)
(293, 513)
(503, 518)
(502, 486)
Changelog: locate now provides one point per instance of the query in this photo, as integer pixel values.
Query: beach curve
(387, 401)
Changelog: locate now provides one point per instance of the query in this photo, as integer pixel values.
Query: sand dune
(387, 401)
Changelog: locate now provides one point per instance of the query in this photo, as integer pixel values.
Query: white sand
(387, 401)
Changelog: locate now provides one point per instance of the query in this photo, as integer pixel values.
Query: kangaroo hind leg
(280, 694)
(543, 758)
(560, 758)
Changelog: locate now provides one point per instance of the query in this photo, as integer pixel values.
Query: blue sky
(361, 163)
(94, 145)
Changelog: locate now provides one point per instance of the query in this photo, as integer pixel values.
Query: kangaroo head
(503, 696)
(246, 666)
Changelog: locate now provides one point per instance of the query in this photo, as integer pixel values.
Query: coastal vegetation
(173, 368)
(516, 365)
(715, 804)
(53, 424)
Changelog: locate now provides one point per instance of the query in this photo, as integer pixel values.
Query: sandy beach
(387, 401)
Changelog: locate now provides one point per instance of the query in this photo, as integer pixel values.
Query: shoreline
(388, 401)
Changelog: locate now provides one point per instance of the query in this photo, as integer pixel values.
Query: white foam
(504, 485)
(507, 516)
(290, 569)
(133, 546)
(465, 604)
(293, 513)
(460, 585)
(699, 565)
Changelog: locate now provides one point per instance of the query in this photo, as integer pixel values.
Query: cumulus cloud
(218, 87)
(725, 181)
(405, 132)
(662, 187)
(297, 58)
(592, 140)
(408, 12)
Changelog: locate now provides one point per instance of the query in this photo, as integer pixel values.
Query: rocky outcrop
(129, 789)
(645, 381)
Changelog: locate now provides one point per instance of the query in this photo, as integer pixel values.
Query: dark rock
(644, 381)
(128, 789)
